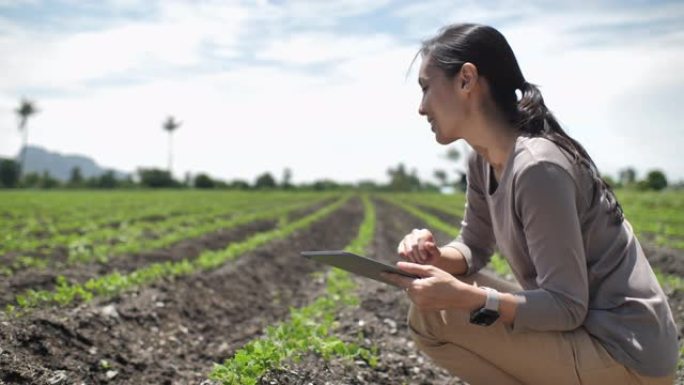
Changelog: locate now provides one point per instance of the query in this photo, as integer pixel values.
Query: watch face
(484, 317)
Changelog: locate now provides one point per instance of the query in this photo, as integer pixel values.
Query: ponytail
(535, 119)
(489, 51)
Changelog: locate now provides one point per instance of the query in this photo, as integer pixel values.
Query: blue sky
(321, 87)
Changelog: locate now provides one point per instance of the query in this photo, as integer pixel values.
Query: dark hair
(488, 50)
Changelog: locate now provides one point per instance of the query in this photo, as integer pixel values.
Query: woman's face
(443, 102)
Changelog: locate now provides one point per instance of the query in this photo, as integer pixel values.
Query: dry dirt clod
(109, 311)
(392, 325)
(59, 377)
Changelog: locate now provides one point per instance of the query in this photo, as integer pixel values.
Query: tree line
(400, 179)
(10, 177)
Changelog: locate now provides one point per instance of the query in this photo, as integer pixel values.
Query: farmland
(179, 287)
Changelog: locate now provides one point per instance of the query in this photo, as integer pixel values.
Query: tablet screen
(356, 264)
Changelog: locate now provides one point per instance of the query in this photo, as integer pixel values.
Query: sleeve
(476, 239)
(546, 204)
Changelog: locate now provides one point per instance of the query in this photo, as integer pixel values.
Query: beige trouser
(494, 355)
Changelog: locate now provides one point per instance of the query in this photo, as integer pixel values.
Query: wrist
(451, 260)
(489, 313)
(477, 298)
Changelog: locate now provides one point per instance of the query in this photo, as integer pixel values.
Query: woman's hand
(419, 247)
(436, 289)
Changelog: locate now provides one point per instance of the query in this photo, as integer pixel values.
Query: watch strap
(492, 302)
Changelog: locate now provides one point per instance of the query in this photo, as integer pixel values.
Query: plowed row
(173, 330)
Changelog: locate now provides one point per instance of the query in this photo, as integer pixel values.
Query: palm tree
(170, 125)
(25, 110)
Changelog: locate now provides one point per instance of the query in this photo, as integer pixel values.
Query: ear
(468, 76)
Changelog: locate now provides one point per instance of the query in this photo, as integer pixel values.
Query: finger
(422, 271)
(401, 250)
(421, 250)
(426, 234)
(416, 243)
(413, 256)
(432, 249)
(397, 280)
(407, 250)
(425, 237)
(414, 248)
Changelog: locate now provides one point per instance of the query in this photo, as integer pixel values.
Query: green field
(62, 250)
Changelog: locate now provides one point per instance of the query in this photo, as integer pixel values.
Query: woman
(590, 310)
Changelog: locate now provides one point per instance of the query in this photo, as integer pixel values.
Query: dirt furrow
(172, 331)
(381, 319)
(46, 279)
(443, 216)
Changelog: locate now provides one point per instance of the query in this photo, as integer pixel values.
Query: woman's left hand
(436, 289)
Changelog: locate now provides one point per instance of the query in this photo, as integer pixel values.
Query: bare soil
(46, 278)
(381, 319)
(171, 332)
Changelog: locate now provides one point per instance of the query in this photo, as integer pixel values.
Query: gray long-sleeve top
(576, 267)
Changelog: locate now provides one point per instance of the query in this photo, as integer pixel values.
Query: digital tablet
(356, 264)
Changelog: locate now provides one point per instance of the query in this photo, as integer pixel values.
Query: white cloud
(313, 14)
(350, 120)
(42, 59)
(243, 122)
(315, 48)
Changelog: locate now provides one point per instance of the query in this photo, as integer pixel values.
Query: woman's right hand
(419, 247)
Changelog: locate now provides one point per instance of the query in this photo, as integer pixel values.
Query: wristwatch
(489, 313)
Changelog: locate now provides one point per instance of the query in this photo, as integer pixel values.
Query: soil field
(381, 318)
(170, 332)
(173, 330)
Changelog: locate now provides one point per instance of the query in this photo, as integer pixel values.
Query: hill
(59, 165)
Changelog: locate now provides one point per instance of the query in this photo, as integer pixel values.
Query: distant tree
(203, 181)
(627, 176)
(107, 180)
(368, 185)
(38, 180)
(30, 180)
(462, 183)
(441, 176)
(156, 178)
(9, 173)
(24, 112)
(76, 178)
(401, 180)
(265, 181)
(238, 184)
(126, 182)
(610, 181)
(455, 156)
(47, 181)
(287, 179)
(430, 187)
(170, 125)
(325, 184)
(656, 180)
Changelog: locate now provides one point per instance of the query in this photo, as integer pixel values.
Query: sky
(324, 88)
